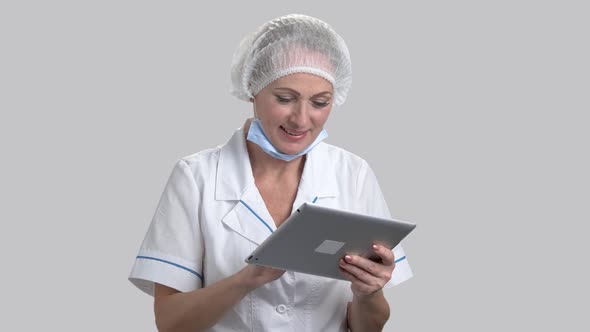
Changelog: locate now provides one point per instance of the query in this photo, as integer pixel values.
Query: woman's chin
(291, 148)
(290, 152)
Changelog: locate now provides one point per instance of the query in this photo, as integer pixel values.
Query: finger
(378, 270)
(358, 285)
(349, 264)
(347, 275)
(356, 282)
(386, 254)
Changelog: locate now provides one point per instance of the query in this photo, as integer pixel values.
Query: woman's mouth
(293, 133)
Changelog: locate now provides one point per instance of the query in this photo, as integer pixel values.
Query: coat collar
(234, 172)
(234, 182)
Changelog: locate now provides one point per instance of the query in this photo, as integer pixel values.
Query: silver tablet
(314, 238)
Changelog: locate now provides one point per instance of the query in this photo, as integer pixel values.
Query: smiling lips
(294, 134)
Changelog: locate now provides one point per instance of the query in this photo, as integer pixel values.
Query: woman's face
(293, 110)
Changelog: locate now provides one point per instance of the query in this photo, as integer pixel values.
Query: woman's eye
(283, 100)
(320, 104)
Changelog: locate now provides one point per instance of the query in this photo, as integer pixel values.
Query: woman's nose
(300, 114)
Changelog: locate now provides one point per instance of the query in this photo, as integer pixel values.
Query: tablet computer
(314, 238)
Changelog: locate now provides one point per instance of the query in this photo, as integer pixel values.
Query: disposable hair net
(291, 44)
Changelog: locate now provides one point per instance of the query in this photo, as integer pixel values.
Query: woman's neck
(265, 166)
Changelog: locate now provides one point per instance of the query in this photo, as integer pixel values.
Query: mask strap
(254, 105)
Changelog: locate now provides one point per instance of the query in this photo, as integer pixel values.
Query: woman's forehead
(302, 83)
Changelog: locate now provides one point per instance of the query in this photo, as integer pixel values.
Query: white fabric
(204, 227)
(291, 44)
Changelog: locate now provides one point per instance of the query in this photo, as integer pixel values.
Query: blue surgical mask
(257, 136)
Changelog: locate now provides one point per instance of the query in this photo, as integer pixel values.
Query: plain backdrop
(473, 115)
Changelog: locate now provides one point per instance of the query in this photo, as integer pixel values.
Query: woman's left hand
(367, 276)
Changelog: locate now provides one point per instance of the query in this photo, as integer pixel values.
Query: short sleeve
(172, 250)
(373, 203)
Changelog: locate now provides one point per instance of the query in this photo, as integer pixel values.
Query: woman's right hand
(255, 275)
(176, 310)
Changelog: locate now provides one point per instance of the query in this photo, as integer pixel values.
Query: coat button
(281, 308)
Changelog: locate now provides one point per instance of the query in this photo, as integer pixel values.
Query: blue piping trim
(315, 199)
(173, 264)
(257, 216)
(400, 259)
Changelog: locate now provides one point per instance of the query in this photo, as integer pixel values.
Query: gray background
(471, 113)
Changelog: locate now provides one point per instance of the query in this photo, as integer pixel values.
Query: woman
(219, 204)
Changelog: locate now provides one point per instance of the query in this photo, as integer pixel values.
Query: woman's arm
(200, 309)
(369, 310)
(369, 313)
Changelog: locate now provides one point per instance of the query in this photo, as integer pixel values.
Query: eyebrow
(298, 94)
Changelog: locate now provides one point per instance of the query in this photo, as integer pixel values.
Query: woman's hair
(291, 44)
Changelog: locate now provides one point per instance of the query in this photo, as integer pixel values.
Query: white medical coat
(211, 216)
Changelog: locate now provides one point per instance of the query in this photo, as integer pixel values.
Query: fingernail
(348, 258)
(375, 247)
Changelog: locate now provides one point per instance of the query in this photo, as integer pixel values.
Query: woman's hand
(367, 276)
(200, 309)
(255, 275)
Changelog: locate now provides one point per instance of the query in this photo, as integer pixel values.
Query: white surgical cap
(291, 44)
